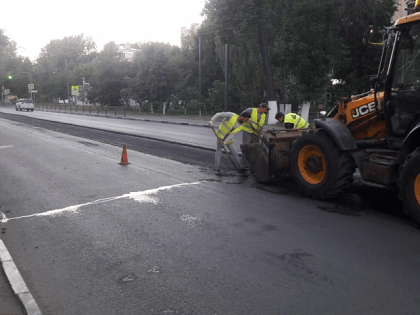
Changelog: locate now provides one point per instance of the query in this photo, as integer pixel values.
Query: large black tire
(320, 169)
(409, 185)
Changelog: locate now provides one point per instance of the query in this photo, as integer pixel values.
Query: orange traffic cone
(124, 159)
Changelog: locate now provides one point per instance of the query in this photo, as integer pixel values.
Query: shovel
(257, 132)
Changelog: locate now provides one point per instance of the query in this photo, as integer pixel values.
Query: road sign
(6, 91)
(34, 91)
(74, 90)
(31, 86)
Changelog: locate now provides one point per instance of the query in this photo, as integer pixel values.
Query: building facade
(127, 51)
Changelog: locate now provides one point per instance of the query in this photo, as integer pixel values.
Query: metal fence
(118, 110)
(84, 109)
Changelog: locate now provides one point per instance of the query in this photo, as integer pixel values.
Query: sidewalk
(182, 120)
(10, 303)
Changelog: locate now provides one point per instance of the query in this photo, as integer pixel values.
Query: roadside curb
(158, 120)
(17, 282)
(144, 137)
(204, 124)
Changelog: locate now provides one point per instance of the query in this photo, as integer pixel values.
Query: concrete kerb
(16, 281)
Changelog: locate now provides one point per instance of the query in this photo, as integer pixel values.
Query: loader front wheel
(409, 185)
(320, 169)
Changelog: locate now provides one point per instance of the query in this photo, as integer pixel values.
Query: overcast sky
(33, 24)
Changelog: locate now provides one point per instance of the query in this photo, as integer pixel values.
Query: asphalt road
(161, 236)
(145, 126)
(190, 153)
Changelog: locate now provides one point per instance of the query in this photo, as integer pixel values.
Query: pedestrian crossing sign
(75, 90)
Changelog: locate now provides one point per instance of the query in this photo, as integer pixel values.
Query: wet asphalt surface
(363, 198)
(357, 202)
(169, 150)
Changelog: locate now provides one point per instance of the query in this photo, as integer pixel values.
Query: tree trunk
(268, 74)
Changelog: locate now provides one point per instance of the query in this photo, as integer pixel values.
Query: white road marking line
(193, 221)
(6, 146)
(139, 196)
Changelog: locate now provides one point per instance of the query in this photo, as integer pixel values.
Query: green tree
(362, 60)
(249, 24)
(307, 47)
(106, 76)
(210, 66)
(18, 67)
(156, 73)
(54, 66)
(304, 43)
(8, 58)
(321, 40)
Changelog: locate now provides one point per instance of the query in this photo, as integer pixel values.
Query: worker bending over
(256, 122)
(231, 124)
(292, 121)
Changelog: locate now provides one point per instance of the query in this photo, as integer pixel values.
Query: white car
(24, 103)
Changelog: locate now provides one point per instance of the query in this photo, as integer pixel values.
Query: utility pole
(226, 76)
(68, 87)
(199, 70)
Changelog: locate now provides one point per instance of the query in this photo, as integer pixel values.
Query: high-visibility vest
(297, 121)
(226, 127)
(256, 124)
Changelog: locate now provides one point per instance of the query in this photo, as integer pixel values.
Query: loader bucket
(270, 159)
(257, 155)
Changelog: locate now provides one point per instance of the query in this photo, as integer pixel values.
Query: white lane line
(6, 146)
(139, 196)
(193, 221)
(17, 282)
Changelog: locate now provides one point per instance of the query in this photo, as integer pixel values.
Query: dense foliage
(17, 68)
(284, 50)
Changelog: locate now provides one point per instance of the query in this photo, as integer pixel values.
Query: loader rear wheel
(311, 164)
(409, 185)
(320, 169)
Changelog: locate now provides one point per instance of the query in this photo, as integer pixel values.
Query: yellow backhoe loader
(377, 132)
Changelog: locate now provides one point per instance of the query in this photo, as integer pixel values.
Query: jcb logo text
(363, 110)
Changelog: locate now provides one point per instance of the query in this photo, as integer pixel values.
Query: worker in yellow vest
(292, 121)
(252, 128)
(231, 124)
